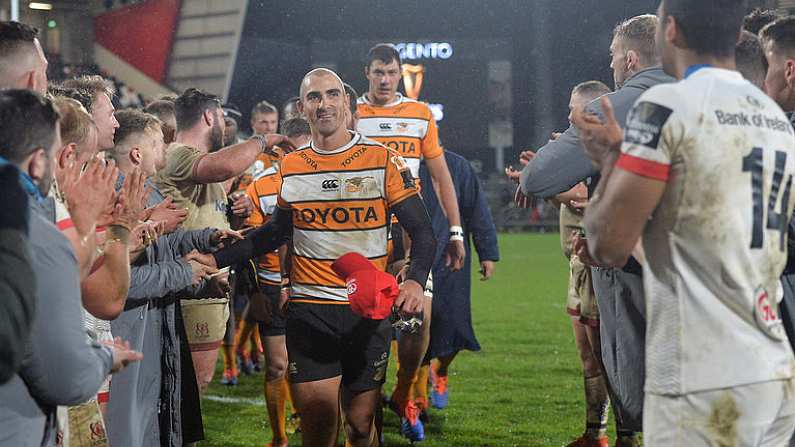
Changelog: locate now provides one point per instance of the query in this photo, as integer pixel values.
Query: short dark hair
(352, 96)
(638, 34)
(133, 122)
(296, 127)
(709, 27)
(264, 107)
(781, 33)
(92, 84)
(384, 52)
(592, 89)
(29, 123)
(161, 108)
(13, 35)
(751, 61)
(190, 106)
(759, 18)
(83, 97)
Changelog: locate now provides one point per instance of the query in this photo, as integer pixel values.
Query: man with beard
(195, 168)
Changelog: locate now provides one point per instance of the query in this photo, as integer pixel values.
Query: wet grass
(523, 389)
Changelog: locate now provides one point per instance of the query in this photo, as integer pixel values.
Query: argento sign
(428, 50)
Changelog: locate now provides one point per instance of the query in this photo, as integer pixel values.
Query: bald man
(336, 197)
(22, 61)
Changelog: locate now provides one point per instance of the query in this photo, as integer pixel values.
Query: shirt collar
(694, 68)
(26, 181)
(398, 99)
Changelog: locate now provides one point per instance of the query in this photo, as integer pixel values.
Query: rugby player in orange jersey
(408, 127)
(336, 197)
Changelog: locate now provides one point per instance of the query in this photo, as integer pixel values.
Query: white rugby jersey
(716, 244)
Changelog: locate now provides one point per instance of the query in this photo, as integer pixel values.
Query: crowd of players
(122, 230)
(137, 244)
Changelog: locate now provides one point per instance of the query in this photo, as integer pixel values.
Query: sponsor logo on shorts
(97, 431)
(380, 367)
(202, 329)
(385, 126)
(292, 369)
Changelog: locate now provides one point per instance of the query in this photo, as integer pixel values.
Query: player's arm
(232, 161)
(406, 204)
(257, 216)
(633, 177)
(440, 173)
(264, 239)
(556, 167)
(618, 212)
(414, 218)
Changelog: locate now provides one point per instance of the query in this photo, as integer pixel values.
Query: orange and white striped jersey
(340, 202)
(263, 191)
(405, 125)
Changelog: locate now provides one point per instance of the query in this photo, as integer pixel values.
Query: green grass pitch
(523, 389)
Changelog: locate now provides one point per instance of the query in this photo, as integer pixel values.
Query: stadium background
(502, 80)
(504, 88)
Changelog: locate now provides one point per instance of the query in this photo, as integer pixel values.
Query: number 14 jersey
(716, 244)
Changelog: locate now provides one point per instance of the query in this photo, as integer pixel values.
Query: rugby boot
(410, 424)
(229, 378)
(439, 392)
(245, 365)
(422, 404)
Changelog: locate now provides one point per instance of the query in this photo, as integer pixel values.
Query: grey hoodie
(144, 408)
(62, 366)
(561, 164)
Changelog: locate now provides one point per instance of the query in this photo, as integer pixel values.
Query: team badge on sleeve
(405, 172)
(399, 162)
(645, 124)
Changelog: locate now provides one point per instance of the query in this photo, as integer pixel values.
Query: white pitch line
(235, 400)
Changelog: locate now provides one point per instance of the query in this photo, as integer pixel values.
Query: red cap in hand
(371, 292)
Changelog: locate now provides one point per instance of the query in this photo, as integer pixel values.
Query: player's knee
(358, 426)
(276, 369)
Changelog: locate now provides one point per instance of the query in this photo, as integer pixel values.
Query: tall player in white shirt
(705, 175)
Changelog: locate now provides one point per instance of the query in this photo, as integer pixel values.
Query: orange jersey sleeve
(280, 202)
(430, 142)
(256, 218)
(399, 183)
